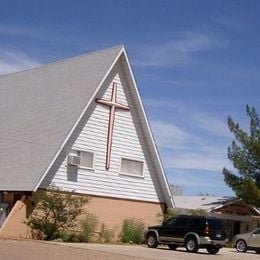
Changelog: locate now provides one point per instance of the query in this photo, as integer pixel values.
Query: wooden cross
(113, 106)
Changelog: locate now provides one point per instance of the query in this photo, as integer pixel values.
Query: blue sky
(195, 62)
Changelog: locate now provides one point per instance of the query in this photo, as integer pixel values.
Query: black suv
(193, 232)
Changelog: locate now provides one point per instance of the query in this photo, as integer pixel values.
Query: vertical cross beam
(113, 104)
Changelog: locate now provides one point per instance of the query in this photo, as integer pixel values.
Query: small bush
(88, 226)
(106, 235)
(49, 230)
(67, 236)
(132, 231)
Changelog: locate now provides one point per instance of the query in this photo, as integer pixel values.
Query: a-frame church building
(79, 124)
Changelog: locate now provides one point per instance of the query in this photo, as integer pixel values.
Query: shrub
(56, 212)
(106, 235)
(50, 230)
(68, 236)
(132, 231)
(88, 226)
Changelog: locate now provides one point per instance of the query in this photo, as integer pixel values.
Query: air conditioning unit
(73, 160)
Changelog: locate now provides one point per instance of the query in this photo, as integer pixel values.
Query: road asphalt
(41, 250)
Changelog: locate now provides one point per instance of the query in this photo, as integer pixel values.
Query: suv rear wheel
(191, 245)
(241, 246)
(151, 240)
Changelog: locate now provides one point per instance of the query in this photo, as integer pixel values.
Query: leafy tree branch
(244, 153)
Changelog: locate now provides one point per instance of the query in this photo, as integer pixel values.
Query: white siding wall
(126, 143)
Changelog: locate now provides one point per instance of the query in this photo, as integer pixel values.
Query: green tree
(56, 212)
(170, 213)
(198, 212)
(244, 152)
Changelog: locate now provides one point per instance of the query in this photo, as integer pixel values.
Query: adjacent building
(239, 217)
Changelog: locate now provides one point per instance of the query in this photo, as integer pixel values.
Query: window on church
(86, 159)
(82, 159)
(132, 167)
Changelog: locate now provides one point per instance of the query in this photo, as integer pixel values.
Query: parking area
(30, 250)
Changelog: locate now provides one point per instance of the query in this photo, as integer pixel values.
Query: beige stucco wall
(110, 211)
(248, 226)
(14, 226)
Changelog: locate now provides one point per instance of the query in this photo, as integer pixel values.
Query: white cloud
(197, 179)
(13, 61)
(169, 135)
(39, 35)
(189, 139)
(13, 30)
(231, 23)
(205, 161)
(211, 124)
(183, 150)
(198, 119)
(166, 103)
(178, 51)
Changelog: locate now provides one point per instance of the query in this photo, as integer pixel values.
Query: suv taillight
(206, 230)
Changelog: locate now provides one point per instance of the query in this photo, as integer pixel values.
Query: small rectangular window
(86, 159)
(131, 167)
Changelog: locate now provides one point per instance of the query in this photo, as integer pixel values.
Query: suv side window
(176, 222)
(180, 222)
(170, 222)
(257, 232)
(196, 223)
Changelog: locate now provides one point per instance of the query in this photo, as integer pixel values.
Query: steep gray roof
(38, 109)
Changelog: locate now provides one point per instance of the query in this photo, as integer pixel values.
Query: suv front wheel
(191, 245)
(151, 240)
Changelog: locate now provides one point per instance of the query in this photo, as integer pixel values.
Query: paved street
(164, 253)
(39, 250)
